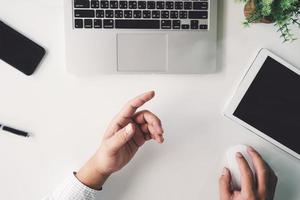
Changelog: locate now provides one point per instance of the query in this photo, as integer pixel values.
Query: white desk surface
(67, 115)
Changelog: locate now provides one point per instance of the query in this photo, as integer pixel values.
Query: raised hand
(128, 131)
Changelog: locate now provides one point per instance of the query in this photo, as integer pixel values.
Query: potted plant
(283, 13)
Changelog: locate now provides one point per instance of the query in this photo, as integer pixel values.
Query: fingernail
(152, 93)
(129, 129)
(239, 155)
(162, 129)
(161, 140)
(225, 171)
(251, 149)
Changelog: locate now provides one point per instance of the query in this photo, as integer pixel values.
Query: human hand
(263, 189)
(128, 131)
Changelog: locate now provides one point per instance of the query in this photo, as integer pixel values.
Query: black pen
(14, 131)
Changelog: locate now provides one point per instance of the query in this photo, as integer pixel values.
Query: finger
(147, 129)
(139, 137)
(124, 116)
(133, 146)
(146, 132)
(130, 108)
(225, 185)
(147, 136)
(147, 117)
(247, 181)
(157, 137)
(121, 138)
(261, 168)
(273, 181)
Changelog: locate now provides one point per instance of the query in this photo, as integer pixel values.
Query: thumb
(121, 137)
(225, 185)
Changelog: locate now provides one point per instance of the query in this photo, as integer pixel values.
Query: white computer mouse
(232, 165)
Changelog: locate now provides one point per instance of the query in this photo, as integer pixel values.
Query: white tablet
(267, 102)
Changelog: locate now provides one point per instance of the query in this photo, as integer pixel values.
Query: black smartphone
(19, 51)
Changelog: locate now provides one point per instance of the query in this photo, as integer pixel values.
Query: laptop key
(155, 14)
(98, 23)
(132, 5)
(104, 4)
(137, 14)
(185, 26)
(123, 4)
(118, 13)
(95, 4)
(150, 4)
(166, 24)
(142, 4)
(160, 5)
(183, 14)
(174, 14)
(176, 24)
(198, 14)
(146, 14)
(127, 14)
(203, 26)
(165, 14)
(200, 5)
(85, 13)
(109, 13)
(78, 23)
(194, 24)
(187, 5)
(99, 13)
(178, 5)
(136, 24)
(108, 23)
(81, 4)
(88, 23)
(113, 4)
(169, 5)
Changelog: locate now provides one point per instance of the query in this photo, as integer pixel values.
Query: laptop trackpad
(142, 52)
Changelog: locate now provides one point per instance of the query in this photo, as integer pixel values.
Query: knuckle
(123, 137)
(248, 174)
(107, 146)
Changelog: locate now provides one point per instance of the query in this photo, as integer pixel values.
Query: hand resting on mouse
(263, 189)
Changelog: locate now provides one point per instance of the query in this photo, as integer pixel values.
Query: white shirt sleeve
(73, 189)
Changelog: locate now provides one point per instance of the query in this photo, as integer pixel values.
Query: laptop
(140, 36)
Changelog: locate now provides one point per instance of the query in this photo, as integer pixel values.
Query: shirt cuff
(81, 189)
(73, 189)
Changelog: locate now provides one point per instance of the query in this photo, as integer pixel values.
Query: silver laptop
(141, 36)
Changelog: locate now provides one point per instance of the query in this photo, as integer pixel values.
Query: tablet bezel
(243, 88)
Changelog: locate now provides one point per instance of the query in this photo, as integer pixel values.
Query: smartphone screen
(19, 51)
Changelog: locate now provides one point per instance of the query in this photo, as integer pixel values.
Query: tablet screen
(272, 104)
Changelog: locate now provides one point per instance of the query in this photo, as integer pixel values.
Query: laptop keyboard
(122, 14)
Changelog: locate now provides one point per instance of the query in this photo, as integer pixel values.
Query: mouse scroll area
(232, 164)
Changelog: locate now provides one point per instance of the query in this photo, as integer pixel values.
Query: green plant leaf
(285, 14)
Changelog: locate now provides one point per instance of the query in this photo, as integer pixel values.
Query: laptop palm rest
(142, 52)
